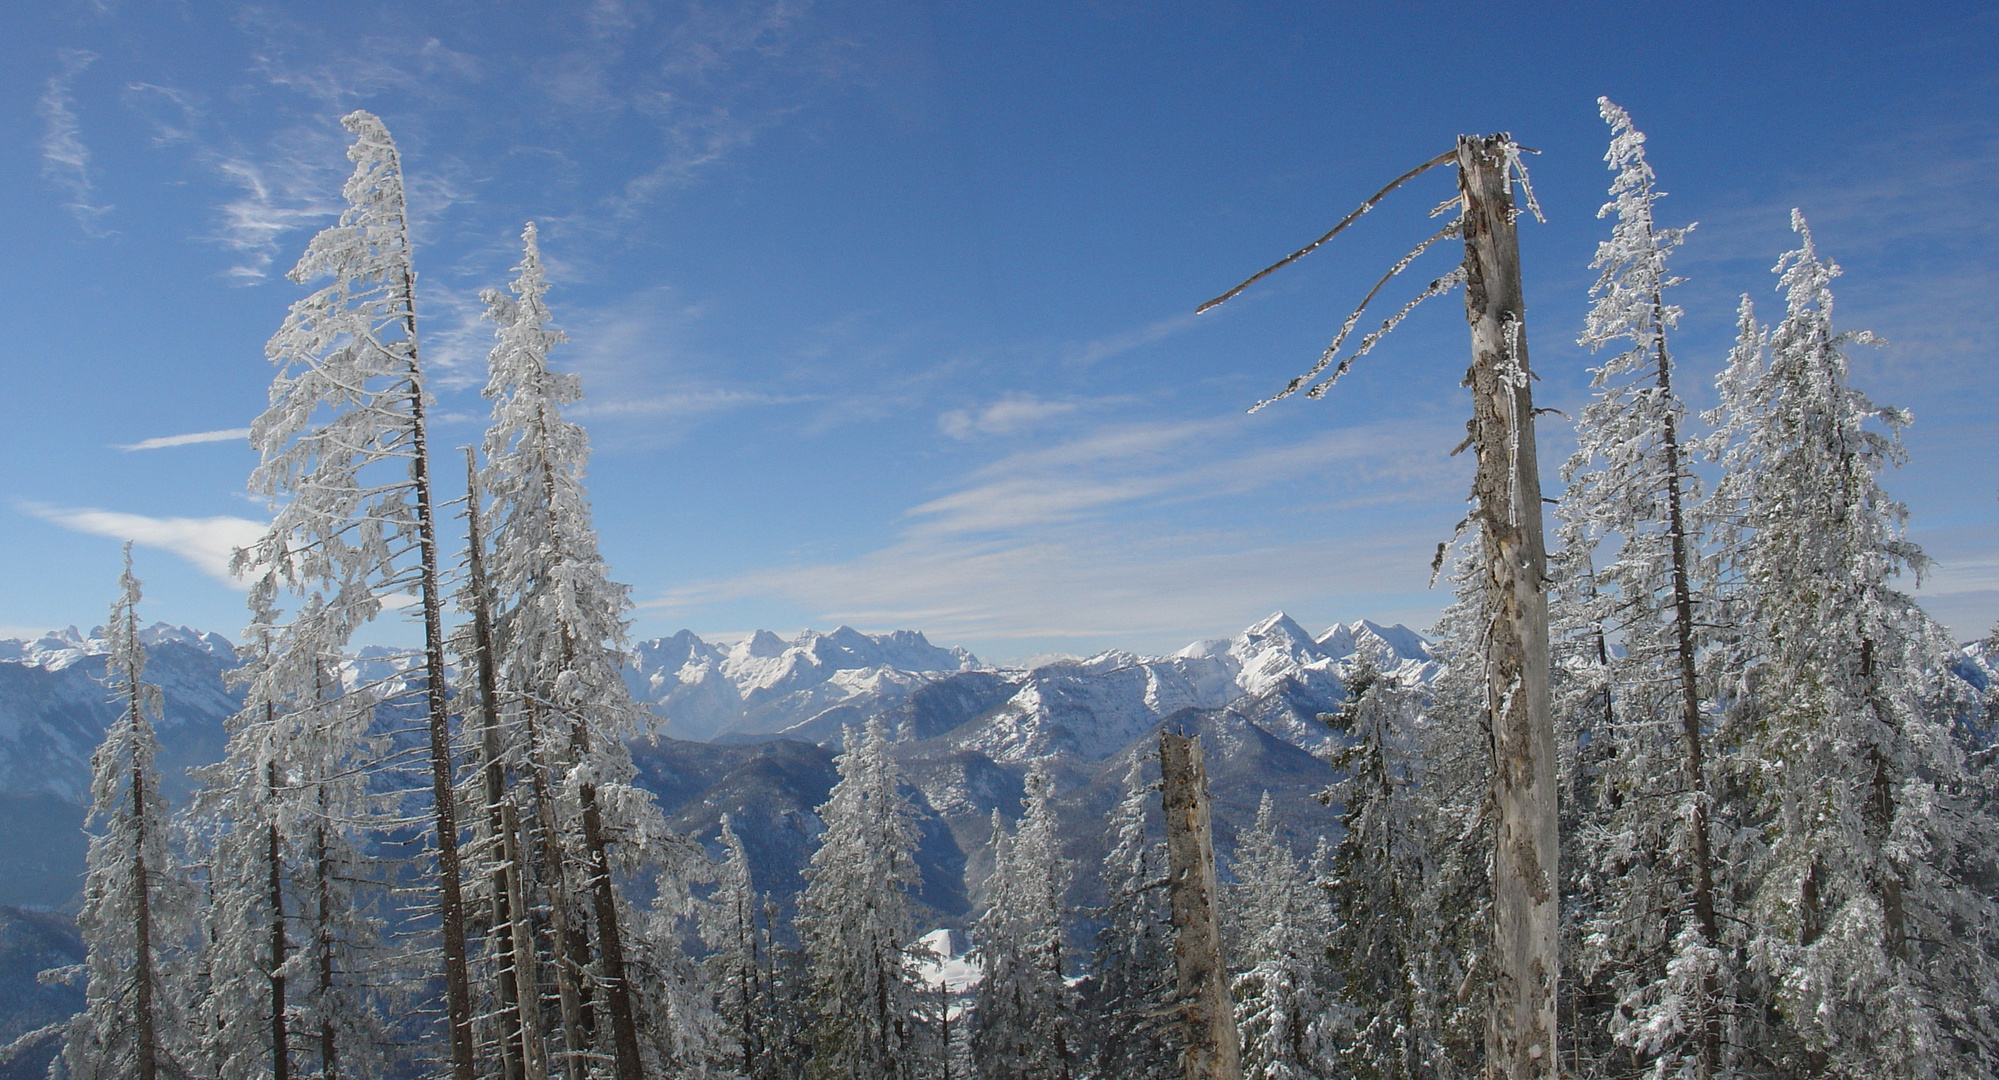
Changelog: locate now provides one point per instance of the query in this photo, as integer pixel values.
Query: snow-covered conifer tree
(559, 632)
(1024, 1028)
(854, 917)
(1451, 960)
(1377, 872)
(1288, 1025)
(737, 960)
(296, 938)
(1875, 949)
(346, 464)
(1653, 913)
(135, 913)
(1134, 956)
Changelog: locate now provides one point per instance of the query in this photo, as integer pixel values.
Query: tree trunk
(281, 1052)
(1690, 699)
(610, 943)
(450, 898)
(325, 889)
(1520, 1031)
(142, 901)
(1213, 1050)
(516, 1054)
(569, 954)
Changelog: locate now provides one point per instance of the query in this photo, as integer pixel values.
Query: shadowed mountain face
(32, 942)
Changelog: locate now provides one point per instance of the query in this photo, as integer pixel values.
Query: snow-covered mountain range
(966, 730)
(810, 686)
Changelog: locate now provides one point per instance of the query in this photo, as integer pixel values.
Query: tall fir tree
(1865, 931)
(1289, 1025)
(296, 936)
(854, 917)
(1025, 1016)
(559, 635)
(1648, 912)
(346, 465)
(1133, 965)
(1450, 960)
(1376, 874)
(135, 914)
(739, 962)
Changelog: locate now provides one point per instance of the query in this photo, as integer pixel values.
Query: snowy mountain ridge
(815, 684)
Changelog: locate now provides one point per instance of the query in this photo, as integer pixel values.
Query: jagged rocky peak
(1279, 631)
(764, 683)
(673, 653)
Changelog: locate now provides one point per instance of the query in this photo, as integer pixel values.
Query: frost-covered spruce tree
(1451, 958)
(135, 912)
(296, 940)
(1134, 982)
(1288, 1024)
(1653, 921)
(737, 960)
(559, 632)
(1377, 872)
(854, 919)
(1877, 953)
(1024, 1016)
(346, 464)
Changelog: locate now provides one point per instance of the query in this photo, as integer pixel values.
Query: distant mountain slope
(54, 708)
(954, 713)
(30, 943)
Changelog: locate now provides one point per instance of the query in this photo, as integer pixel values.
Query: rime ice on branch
(346, 465)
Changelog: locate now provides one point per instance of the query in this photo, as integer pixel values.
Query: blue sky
(884, 308)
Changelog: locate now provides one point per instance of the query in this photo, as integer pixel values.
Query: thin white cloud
(208, 543)
(1007, 416)
(164, 441)
(65, 158)
(676, 405)
(1108, 346)
(1090, 538)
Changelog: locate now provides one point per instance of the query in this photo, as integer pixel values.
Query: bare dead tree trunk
(1520, 1031)
(569, 951)
(1213, 1049)
(517, 1054)
(450, 895)
(610, 936)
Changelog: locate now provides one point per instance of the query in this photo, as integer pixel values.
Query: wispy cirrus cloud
(65, 157)
(208, 543)
(678, 405)
(1009, 415)
(1110, 345)
(163, 442)
(1097, 537)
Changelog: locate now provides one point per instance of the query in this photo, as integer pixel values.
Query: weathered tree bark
(610, 936)
(518, 1033)
(1520, 1031)
(1213, 1049)
(450, 895)
(570, 952)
